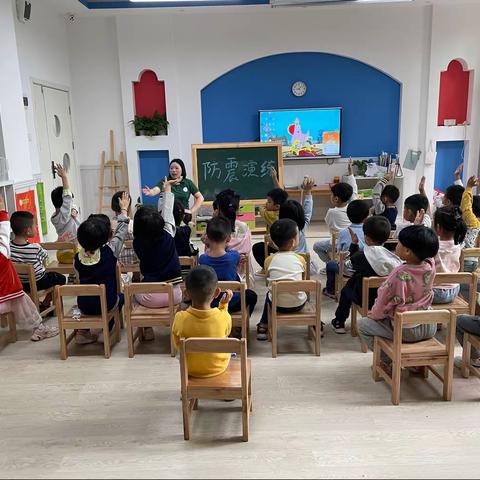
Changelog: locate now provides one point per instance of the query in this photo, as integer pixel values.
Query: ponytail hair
(228, 203)
(450, 219)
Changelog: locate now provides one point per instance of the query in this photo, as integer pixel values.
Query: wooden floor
(313, 417)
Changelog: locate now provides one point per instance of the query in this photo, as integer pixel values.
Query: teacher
(182, 188)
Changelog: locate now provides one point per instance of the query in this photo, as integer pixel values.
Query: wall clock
(299, 88)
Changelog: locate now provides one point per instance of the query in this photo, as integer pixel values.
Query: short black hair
(342, 190)
(294, 211)
(278, 196)
(57, 197)
(416, 202)
(178, 212)
(377, 228)
(391, 192)
(20, 221)
(218, 229)
(357, 211)
(476, 205)
(115, 201)
(282, 231)
(182, 166)
(201, 283)
(102, 219)
(93, 233)
(454, 194)
(228, 203)
(148, 224)
(422, 241)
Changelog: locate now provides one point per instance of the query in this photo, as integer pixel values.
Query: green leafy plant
(361, 166)
(150, 126)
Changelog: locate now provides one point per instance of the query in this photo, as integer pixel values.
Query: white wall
(455, 35)
(11, 105)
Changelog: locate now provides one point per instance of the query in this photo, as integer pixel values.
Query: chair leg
(195, 404)
(186, 417)
(131, 345)
(318, 334)
(106, 341)
(4, 321)
(396, 375)
(467, 350)
(118, 327)
(448, 378)
(250, 393)
(62, 334)
(376, 360)
(274, 338)
(172, 344)
(245, 419)
(353, 322)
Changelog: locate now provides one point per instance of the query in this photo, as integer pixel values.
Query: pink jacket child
(408, 288)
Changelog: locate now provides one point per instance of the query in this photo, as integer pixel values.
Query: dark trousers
(332, 269)
(347, 297)
(258, 251)
(250, 300)
(50, 279)
(268, 304)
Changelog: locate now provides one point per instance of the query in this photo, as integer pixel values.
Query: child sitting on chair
(357, 212)
(407, 288)
(283, 265)
(13, 298)
(65, 219)
(154, 244)
(470, 206)
(225, 262)
(384, 199)
(96, 263)
(22, 251)
(414, 212)
(201, 320)
(374, 260)
(182, 233)
(336, 217)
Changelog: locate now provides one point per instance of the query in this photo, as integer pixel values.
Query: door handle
(53, 169)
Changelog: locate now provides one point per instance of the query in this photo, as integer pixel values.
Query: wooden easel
(111, 164)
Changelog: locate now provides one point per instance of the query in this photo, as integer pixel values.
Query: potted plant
(361, 167)
(150, 126)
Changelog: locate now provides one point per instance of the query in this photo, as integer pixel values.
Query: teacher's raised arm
(182, 188)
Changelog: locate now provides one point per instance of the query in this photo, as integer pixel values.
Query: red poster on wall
(26, 201)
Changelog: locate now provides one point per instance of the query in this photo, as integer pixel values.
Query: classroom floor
(88, 417)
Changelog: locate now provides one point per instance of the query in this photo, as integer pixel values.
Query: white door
(55, 143)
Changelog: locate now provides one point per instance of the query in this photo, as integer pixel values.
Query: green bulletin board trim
(41, 207)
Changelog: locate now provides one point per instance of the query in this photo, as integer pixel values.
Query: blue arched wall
(370, 99)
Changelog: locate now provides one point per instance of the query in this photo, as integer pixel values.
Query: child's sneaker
(260, 273)
(83, 337)
(262, 332)
(338, 327)
(329, 294)
(42, 332)
(148, 334)
(323, 271)
(474, 362)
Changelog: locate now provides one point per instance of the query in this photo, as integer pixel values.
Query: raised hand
(124, 202)
(308, 184)
(273, 173)
(388, 176)
(472, 181)
(421, 186)
(354, 236)
(150, 192)
(349, 166)
(419, 217)
(458, 172)
(60, 171)
(226, 297)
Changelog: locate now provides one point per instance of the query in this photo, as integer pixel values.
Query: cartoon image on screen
(303, 133)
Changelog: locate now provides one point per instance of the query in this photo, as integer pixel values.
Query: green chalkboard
(243, 167)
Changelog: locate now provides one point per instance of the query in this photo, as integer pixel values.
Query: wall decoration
(26, 201)
(41, 207)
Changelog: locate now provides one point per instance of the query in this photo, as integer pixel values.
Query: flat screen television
(304, 133)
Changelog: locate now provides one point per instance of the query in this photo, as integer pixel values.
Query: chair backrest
(368, 283)
(27, 269)
(147, 287)
(425, 317)
(59, 245)
(187, 261)
(470, 252)
(212, 345)
(293, 286)
(306, 273)
(334, 237)
(79, 291)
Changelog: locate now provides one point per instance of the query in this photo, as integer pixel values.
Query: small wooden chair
(334, 236)
(54, 265)
(234, 383)
(340, 278)
(470, 252)
(241, 318)
(426, 353)
(137, 316)
(8, 320)
(34, 294)
(368, 283)
(309, 315)
(469, 340)
(460, 305)
(67, 322)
